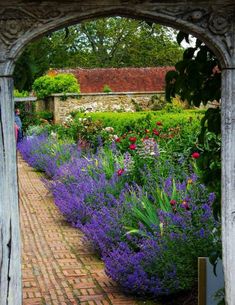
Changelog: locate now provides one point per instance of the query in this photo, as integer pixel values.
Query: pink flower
(132, 139)
(173, 202)
(159, 123)
(120, 171)
(195, 155)
(132, 146)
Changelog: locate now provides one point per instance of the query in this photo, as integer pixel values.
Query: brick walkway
(58, 268)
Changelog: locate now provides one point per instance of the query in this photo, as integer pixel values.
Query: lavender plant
(148, 220)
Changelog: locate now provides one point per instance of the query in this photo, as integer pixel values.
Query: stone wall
(62, 105)
(45, 105)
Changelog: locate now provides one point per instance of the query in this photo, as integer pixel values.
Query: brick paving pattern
(58, 267)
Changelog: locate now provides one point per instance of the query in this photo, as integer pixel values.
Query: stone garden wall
(62, 105)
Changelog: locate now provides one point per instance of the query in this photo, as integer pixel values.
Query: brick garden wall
(120, 79)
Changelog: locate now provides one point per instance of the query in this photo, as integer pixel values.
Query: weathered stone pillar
(10, 267)
(228, 181)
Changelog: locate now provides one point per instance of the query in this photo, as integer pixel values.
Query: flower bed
(145, 212)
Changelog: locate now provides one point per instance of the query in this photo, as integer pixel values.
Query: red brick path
(58, 268)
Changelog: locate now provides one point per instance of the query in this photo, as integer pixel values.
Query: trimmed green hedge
(125, 121)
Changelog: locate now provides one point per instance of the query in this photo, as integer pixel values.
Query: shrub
(44, 115)
(47, 85)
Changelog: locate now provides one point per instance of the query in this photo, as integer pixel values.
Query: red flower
(173, 202)
(132, 146)
(195, 155)
(117, 140)
(146, 138)
(159, 123)
(120, 171)
(132, 139)
(156, 132)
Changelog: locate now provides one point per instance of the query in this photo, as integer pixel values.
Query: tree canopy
(197, 76)
(107, 42)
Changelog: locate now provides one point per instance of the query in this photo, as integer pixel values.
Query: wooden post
(228, 182)
(10, 258)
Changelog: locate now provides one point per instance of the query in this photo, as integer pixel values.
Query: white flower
(109, 129)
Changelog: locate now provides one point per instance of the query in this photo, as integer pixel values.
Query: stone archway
(211, 21)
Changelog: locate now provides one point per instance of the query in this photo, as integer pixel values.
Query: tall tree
(32, 63)
(108, 42)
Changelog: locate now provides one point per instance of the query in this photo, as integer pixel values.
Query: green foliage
(107, 89)
(197, 77)
(126, 121)
(35, 130)
(45, 115)
(33, 63)
(23, 93)
(170, 107)
(144, 212)
(47, 85)
(209, 143)
(177, 134)
(31, 118)
(83, 130)
(143, 218)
